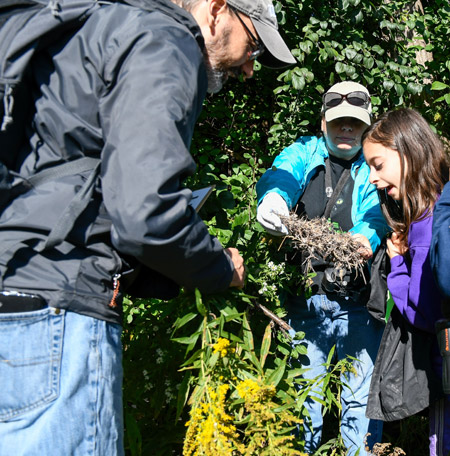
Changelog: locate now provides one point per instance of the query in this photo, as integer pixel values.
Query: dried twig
(279, 321)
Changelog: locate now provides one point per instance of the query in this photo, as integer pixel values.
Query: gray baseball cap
(264, 19)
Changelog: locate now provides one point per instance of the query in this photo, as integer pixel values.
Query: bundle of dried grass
(319, 238)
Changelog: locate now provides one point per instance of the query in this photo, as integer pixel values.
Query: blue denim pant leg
(348, 326)
(61, 385)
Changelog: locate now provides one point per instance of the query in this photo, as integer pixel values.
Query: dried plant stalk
(317, 238)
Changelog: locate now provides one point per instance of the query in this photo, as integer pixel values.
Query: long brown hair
(407, 132)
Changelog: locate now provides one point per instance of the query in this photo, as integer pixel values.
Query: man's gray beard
(216, 78)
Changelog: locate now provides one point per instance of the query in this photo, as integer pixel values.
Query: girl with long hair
(409, 167)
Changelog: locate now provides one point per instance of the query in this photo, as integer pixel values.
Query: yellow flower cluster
(222, 346)
(210, 429)
(251, 391)
(266, 431)
(248, 388)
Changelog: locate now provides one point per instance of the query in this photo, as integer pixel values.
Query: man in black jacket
(126, 89)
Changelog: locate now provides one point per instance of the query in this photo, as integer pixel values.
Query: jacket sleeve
(287, 174)
(155, 87)
(411, 283)
(440, 242)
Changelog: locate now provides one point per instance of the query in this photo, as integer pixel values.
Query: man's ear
(217, 9)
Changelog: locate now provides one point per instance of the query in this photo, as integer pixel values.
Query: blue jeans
(60, 385)
(347, 325)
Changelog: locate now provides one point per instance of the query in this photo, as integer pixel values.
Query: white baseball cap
(358, 107)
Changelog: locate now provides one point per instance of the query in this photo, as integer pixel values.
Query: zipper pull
(116, 286)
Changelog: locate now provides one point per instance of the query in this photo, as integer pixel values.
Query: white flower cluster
(168, 392)
(265, 288)
(276, 268)
(160, 357)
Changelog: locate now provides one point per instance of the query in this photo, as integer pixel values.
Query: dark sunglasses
(357, 98)
(259, 46)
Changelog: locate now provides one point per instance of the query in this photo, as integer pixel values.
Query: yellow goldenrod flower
(221, 346)
(248, 388)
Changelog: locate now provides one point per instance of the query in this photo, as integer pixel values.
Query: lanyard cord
(333, 194)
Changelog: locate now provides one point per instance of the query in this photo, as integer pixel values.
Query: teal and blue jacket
(293, 169)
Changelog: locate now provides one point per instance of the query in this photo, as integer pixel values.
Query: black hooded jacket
(127, 88)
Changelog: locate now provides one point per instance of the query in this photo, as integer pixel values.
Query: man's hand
(239, 267)
(366, 249)
(270, 207)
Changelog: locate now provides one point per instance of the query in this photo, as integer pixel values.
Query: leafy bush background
(401, 53)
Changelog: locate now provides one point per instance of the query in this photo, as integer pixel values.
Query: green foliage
(169, 357)
(372, 42)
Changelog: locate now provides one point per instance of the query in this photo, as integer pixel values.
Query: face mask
(344, 154)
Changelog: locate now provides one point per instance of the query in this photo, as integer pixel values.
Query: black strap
(70, 168)
(331, 193)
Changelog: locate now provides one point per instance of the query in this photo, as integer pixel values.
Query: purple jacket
(411, 281)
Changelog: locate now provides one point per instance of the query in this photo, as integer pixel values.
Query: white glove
(270, 206)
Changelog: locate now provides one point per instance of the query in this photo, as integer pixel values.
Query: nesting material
(319, 238)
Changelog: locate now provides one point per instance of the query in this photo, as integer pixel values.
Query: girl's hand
(395, 246)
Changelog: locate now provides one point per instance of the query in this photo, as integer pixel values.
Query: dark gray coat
(403, 381)
(127, 88)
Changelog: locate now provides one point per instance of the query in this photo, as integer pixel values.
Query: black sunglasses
(259, 46)
(357, 98)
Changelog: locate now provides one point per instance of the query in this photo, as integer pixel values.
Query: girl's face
(385, 168)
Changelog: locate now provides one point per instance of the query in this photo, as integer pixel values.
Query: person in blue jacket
(303, 179)
(439, 251)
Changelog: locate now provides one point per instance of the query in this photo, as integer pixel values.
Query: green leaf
(368, 62)
(133, 436)
(439, 86)
(331, 354)
(252, 357)
(339, 67)
(388, 84)
(248, 335)
(180, 322)
(298, 82)
(213, 359)
(276, 376)
(358, 17)
(306, 46)
(265, 344)
(193, 358)
(183, 394)
(350, 53)
(293, 373)
(280, 89)
(187, 340)
(378, 49)
(414, 88)
(399, 89)
(350, 70)
(199, 303)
